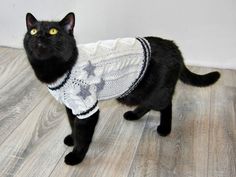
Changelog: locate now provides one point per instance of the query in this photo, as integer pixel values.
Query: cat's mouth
(41, 52)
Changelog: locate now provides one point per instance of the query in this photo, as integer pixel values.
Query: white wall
(203, 29)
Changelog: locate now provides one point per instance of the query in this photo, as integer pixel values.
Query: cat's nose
(40, 45)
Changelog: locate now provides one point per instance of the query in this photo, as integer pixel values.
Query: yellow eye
(53, 31)
(33, 31)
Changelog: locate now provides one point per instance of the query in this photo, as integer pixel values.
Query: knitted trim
(147, 45)
(148, 48)
(62, 83)
(147, 56)
(88, 111)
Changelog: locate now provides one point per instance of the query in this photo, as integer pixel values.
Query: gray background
(203, 29)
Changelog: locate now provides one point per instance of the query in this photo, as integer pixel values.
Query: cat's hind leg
(165, 121)
(136, 114)
(160, 100)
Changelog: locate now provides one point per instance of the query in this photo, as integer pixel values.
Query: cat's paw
(73, 158)
(68, 140)
(130, 115)
(163, 131)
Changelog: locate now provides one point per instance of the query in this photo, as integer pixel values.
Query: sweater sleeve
(83, 102)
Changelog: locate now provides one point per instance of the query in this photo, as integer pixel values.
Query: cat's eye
(33, 31)
(53, 31)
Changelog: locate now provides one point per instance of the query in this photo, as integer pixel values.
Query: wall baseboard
(209, 64)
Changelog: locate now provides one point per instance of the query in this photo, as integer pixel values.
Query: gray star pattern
(90, 69)
(84, 92)
(100, 85)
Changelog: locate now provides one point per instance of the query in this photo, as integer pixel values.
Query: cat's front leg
(82, 135)
(68, 140)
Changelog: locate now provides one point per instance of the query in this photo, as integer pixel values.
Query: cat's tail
(191, 78)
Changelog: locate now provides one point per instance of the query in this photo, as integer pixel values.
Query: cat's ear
(30, 20)
(68, 22)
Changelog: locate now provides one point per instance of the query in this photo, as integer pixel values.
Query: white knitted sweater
(104, 70)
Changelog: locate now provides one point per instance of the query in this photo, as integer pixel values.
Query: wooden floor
(33, 125)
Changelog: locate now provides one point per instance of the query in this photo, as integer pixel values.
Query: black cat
(52, 52)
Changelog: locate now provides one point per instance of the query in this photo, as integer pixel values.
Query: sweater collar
(60, 82)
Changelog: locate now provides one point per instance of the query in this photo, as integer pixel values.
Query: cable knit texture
(106, 69)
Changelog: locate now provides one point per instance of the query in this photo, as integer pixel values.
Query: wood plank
(2, 49)
(113, 147)
(12, 62)
(222, 133)
(228, 78)
(145, 162)
(17, 100)
(34, 148)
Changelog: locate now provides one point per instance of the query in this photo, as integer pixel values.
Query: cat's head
(46, 40)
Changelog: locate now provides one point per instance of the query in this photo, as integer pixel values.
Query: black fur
(52, 56)
(198, 80)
